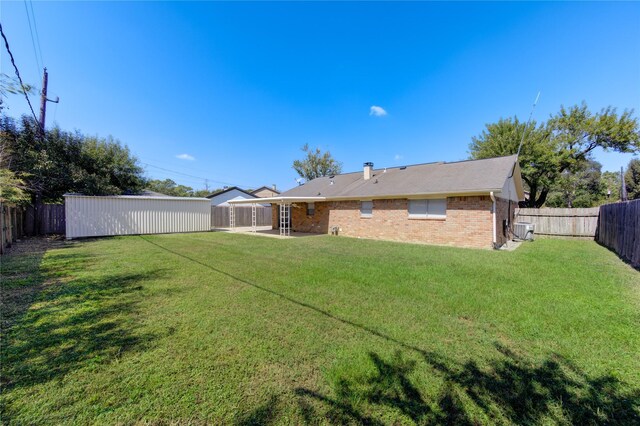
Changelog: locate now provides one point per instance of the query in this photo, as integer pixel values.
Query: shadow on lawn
(22, 277)
(75, 323)
(509, 389)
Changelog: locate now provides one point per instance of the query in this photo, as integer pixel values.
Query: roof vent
(403, 167)
(331, 182)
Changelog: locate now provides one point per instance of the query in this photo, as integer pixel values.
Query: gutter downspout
(493, 217)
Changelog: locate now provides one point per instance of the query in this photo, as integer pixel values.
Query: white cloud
(397, 157)
(377, 111)
(186, 157)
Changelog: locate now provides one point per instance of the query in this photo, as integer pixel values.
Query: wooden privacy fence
(45, 219)
(619, 229)
(11, 221)
(561, 222)
(220, 216)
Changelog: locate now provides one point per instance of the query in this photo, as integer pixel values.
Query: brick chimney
(368, 170)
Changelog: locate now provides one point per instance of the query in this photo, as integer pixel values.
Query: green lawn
(229, 328)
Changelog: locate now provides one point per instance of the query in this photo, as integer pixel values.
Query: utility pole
(44, 100)
(43, 114)
(623, 187)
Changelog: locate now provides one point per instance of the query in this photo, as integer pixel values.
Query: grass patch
(229, 328)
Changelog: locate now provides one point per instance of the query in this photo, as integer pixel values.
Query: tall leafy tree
(582, 188)
(316, 164)
(538, 159)
(632, 179)
(169, 187)
(610, 187)
(565, 142)
(13, 188)
(68, 162)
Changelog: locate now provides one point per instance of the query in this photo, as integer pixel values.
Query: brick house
(265, 192)
(466, 203)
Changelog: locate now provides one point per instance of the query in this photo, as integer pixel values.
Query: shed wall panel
(104, 216)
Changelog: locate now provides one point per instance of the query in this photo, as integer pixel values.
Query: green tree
(11, 85)
(632, 179)
(316, 164)
(610, 187)
(169, 187)
(68, 162)
(565, 142)
(13, 188)
(538, 159)
(202, 193)
(583, 188)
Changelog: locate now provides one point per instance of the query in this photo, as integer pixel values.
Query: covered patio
(283, 207)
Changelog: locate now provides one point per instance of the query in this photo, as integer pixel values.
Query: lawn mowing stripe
(299, 303)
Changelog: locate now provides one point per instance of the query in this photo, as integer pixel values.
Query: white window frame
(432, 208)
(366, 213)
(311, 209)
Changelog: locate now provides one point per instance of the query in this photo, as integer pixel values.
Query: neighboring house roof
(462, 177)
(223, 191)
(265, 188)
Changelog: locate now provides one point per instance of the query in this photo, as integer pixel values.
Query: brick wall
(468, 222)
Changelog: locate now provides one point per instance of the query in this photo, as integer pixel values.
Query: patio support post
(232, 217)
(285, 212)
(253, 216)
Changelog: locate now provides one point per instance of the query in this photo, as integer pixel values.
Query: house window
(366, 209)
(311, 209)
(428, 209)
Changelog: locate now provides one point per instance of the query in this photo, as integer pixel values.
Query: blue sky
(240, 87)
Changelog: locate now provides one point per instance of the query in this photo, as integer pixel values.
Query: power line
(192, 176)
(172, 166)
(33, 40)
(35, 27)
(22, 85)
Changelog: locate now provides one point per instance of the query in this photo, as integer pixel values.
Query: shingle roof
(267, 188)
(223, 191)
(470, 176)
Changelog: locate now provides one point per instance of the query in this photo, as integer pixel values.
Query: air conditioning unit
(524, 230)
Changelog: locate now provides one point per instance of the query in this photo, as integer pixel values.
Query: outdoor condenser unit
(524, 230)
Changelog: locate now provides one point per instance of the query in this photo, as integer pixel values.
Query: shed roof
(472, 176)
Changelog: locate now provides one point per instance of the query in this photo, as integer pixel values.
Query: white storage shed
(89, 216)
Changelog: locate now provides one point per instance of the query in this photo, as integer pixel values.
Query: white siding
(125, 215)
(234, 194)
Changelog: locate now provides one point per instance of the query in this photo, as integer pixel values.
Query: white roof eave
(278, 200)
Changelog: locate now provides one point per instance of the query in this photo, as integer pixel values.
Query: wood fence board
(46, 219)
(220, 216)
(580, 222)
(10, 225)
(619, 229)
